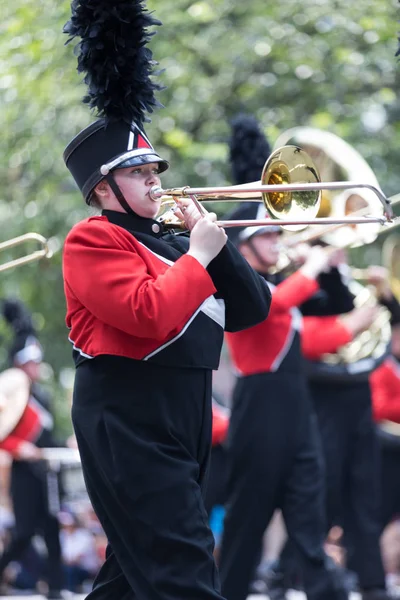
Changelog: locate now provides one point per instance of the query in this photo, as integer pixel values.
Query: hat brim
(144, 159)
(250, 232)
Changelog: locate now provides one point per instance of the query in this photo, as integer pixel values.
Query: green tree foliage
(325, 63)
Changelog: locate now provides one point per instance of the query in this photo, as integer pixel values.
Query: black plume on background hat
(25, 345)
(112, 54)
(248, 149)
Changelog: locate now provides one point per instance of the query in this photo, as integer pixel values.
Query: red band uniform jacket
(147, 323)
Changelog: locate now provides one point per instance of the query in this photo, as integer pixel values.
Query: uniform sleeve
(11, 444)
(220, 426)
(385, 389)
(246, 294)
(292, 292)
(322, 335)
(333, 297)
(112, 281)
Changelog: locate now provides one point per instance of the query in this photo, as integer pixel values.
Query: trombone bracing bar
(35, 255)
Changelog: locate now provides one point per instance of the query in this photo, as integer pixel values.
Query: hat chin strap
(118, 194)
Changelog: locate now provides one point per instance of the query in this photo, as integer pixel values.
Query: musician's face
(32, 369)
(135, 184)
(263, 251)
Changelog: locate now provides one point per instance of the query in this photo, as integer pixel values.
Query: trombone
(306, 238)
(290, 187)
(44, 251)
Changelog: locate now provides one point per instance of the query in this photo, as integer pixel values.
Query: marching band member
(146, 310)
(351, 453)
(273, 447)
(26, 426)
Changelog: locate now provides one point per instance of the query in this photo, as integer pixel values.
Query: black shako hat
(248, 151)
(247, 211)
(104, 146)
(112, 54)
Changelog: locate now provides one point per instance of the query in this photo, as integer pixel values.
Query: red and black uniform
(385, 388)
(147, 325)
(273, 444)
(342, 401)
(29, 490)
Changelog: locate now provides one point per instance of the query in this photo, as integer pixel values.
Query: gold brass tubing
(17, 241)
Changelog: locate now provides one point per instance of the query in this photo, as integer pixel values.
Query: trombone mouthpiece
(155, 192)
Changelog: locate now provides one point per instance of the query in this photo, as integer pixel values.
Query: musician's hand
(337, 257)
(206, 241)
(359, 319)
(379, 277)
(28, 451)
(316, 262)
(298, 254)
(190, 214)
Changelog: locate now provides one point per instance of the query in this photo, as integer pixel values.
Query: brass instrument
(336, 159)
(44, 251)
(290, 189)
(321, 233)
(370, 347)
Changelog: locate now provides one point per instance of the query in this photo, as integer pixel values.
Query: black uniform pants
(144, 434)
(390, 457)
(274, 462)
(32, 516)
(353, 477)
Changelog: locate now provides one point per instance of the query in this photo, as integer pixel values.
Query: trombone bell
(287, 165)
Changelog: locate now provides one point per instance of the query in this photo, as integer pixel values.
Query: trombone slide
(18, 241)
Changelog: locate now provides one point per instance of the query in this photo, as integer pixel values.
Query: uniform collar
(135, 223)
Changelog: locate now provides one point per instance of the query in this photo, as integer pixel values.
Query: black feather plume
(20, 320)
(17, 316)
(248, 149)
(113, 55)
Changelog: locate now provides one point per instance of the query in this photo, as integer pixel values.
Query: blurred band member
(342, 400)
(29, 491)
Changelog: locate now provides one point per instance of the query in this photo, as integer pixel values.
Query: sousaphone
(335, 159)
